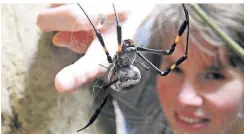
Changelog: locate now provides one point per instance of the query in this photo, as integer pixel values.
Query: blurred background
(30, 102)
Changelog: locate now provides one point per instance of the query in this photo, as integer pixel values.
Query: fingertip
(58, 87)
(64, 81)
(38, 21)
(41, 21)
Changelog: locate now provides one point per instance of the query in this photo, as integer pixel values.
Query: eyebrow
(218, 67)
(215, 68)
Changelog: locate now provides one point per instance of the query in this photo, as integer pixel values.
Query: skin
(203, 86)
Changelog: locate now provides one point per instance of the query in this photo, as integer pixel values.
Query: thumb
(78, 74)
(87, 68)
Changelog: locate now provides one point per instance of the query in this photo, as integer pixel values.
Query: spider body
(128, 76)
(122, 69)
(122, 74)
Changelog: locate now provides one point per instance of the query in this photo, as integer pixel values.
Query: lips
(190, 121)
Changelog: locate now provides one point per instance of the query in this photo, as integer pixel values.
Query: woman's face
(202, 95)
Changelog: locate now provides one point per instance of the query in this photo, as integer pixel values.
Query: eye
(214, 76)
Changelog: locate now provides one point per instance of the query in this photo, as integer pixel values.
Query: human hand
(76, 33)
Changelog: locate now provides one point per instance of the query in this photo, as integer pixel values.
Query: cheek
(167, 88)
(228, 96)
(226, 103)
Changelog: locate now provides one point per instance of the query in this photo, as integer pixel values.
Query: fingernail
(57, 42)
(55, 38)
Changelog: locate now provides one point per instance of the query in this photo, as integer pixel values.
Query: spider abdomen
(128, 76)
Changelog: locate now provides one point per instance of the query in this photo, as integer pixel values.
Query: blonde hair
(229, 17)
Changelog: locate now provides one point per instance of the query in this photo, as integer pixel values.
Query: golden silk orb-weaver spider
(122, 74)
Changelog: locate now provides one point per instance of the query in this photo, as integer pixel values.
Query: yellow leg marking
(120, 48)
(134, 43)
(105, 49)
(173, 67)
(177, 39)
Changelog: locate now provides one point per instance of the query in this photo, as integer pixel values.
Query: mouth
(191, 122)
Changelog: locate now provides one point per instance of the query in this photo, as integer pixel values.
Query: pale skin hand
(69, 19)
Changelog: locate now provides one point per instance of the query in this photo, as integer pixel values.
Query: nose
(189, 96)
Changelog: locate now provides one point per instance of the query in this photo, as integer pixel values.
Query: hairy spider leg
(98, 110)
(99, 36)
(171, 50)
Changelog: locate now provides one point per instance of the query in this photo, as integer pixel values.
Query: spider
(122, 74)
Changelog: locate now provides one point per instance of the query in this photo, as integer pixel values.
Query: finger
(81, 40)
(76, 41)
(71, 18)
(65, 18)
(87, 68)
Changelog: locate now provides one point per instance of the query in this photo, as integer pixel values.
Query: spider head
(128, 43)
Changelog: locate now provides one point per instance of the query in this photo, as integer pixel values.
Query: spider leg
(98, 110)
(170, 51)
(99, 36)
(119, 37)
(172, 48)
(172, 67)
(119, 31)
(142, 65)
(177, 38)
